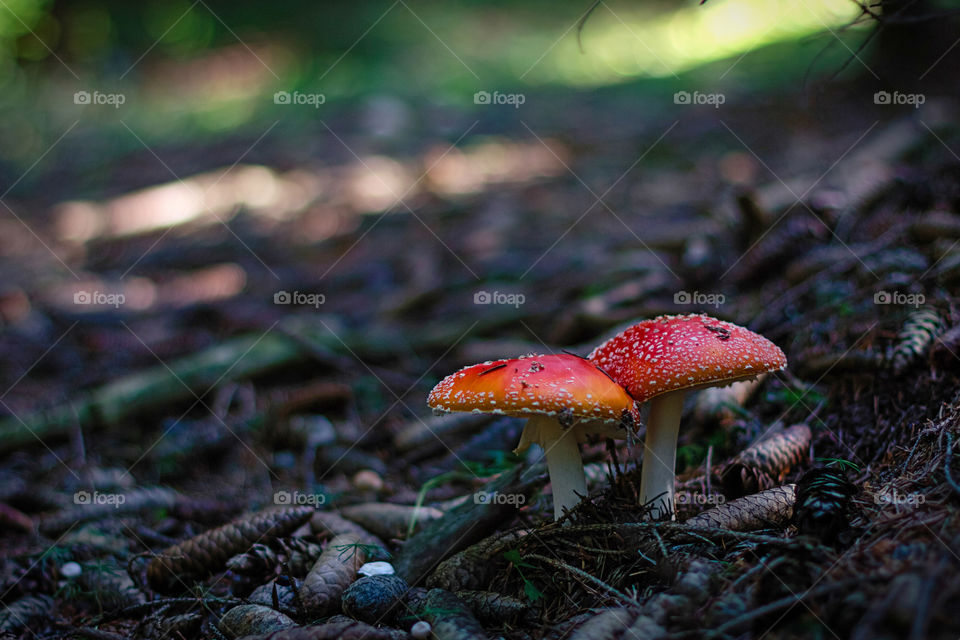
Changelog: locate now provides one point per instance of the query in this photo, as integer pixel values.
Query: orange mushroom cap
(563, 385)
(670, 353)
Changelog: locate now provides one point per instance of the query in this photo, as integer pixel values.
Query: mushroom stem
(563, 462)
(660, 452)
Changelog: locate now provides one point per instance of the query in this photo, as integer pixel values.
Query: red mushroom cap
(566, 386)
(670, 353)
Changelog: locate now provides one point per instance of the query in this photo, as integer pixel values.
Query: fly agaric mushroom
(566, 399)
(662, 359)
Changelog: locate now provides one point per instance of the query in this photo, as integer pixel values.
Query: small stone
(376, 569)
(71, 570)
(421, 630)
(367, 480)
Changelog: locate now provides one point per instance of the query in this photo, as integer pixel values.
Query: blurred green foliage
(194, 72)
(18, 18)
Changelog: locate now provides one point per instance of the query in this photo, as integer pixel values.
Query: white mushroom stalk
(564, 463)
(660, 453)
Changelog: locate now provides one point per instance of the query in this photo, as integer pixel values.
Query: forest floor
(274, 342)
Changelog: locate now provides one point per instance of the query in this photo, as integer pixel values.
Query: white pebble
(376, 569)
(71, 570)
(420, 630)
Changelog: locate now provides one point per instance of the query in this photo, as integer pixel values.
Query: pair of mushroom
(568, 398)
